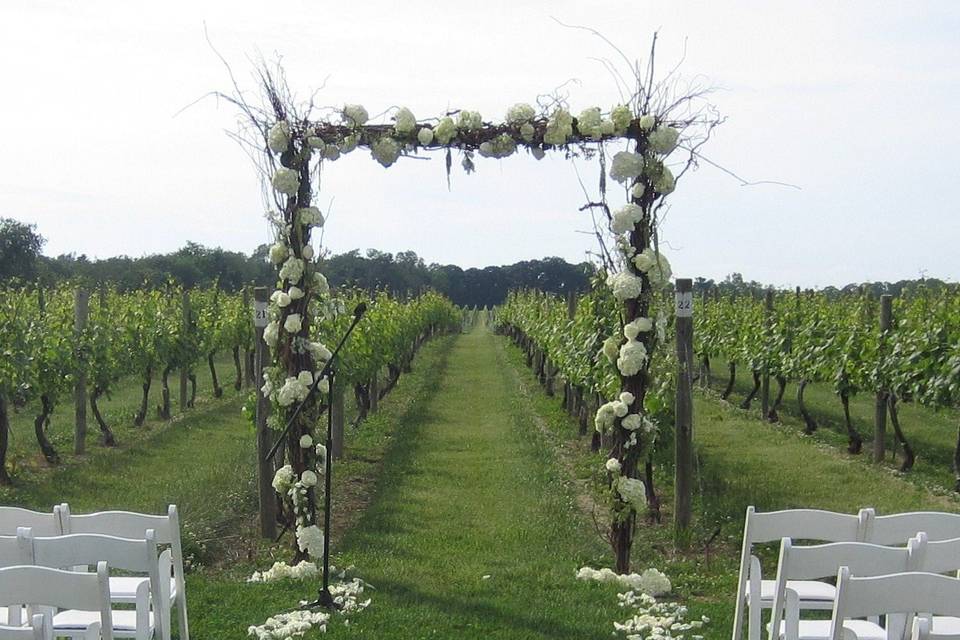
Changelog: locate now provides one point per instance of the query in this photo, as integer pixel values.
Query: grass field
(931, 433)
(469, 470)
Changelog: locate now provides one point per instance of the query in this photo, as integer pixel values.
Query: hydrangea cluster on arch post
(643, 271)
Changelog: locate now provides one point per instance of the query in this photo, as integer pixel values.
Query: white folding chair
(127, 524)
(821, 561)
(38, 629)
(44, 589)
(119, 553)
(940, 556)
(923, 629)
(906, 594)
(896, 528)
(10, 555)
(753, 592)
(42, 524)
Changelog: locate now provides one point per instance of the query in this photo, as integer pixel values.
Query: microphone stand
(324, 599)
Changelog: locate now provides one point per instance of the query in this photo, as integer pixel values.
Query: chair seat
(809, 591)
(4, 612)
(124, 622)
(124, 589)
(945, 625)
(820, 630)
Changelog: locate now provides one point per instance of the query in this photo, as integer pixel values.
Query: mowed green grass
(740, 461)
(932, 433)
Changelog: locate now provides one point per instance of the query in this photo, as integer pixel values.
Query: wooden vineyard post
(683, 480)
(765, 380)
(185, 327)
(880, 411)
(268, 499)
(81, 310)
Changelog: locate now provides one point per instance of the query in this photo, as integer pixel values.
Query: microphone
(359, 310)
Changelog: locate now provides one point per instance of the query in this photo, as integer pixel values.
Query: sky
(851, 102)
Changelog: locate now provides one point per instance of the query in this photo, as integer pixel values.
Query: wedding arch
(662, 124)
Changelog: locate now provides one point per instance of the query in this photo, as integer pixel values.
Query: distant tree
(20, 246)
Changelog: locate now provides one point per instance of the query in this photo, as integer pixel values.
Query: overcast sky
(854, 102)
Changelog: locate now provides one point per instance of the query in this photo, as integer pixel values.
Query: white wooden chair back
(78, 549)
(902, 593)
(798, 524)
(38, 629)
(10, 552)
(896, 528)
(939, 556)
(39, 587)
(923, 630)
(42, 524)
(127, 524)
(820, 561)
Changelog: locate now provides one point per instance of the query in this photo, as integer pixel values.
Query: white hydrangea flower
(278, 138)
(655, 265)
(605, 417)
(292, 270)
(500, 147)
(310, 216)
(627, 398)
(405, 122)
(559, 127)
(354, 115)
(519, 114)
(663, 140)
(305, 378)
(632, 422)
(307, 252)
(632, 492)
(321, 284)
(386, 150)
(638, 190)
(626, 166)
(278, 252)
(319, 352)
(621, 117)
(306, 441)
(625, 285)
(425, 135)
(321, 453)
(612, 465)
(286, 181)
(310, 539)
(620, 408)
(282, 571)
(469, 120)
(626, 218)
(270, 334)
(589, 123)
(308, 479)
(665, 182)
(606, 127)
(633, 355)
(283, 479)
(638, 326)
(445, 131)
(280, 298)
(349, 143)
(295, 293)
(527, 132)
(291, 391)
(316, 143)
(331, 152)
(647, 122)
(293, 323)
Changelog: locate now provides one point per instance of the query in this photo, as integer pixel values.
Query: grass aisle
(473, 532)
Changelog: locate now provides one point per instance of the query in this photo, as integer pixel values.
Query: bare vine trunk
(192, 377)
(908, 455)
(809, 422)
(391, 381)
(39, 428)
(732, 381)
(653, 501)
(362, 394)
(164, 409)
(238, 383)
(217, 389)
(106, 435)
(773, 415)
(4, 440)
(142, 411)
(855, 442)
(705, 363)
(753, 392)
